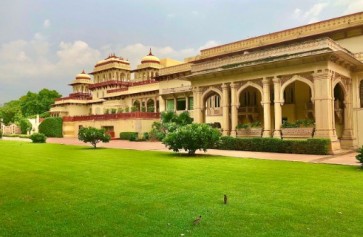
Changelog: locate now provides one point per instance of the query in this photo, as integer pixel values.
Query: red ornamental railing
(99, 117)
(121, 83)
(76, 96)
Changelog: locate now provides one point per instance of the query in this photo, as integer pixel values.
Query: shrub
(302, 123)
(170, 121)
(131, 136)
(145, 136)
(51, 127)
(359, 156)
(192, 137)
(93, 135)
(184, 119)
(309, 146)
(25, 126)
(1, 134)
(38, 138)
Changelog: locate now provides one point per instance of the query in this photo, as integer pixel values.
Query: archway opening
(250, 110)
(297, 103)
(213, 108)
(339, 96)
(136, 106)
(150, 105)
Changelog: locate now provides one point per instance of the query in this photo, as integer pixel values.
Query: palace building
(313, 72)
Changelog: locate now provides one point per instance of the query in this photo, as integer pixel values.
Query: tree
(93, 135)
(192, 137)
(25, 126)
(10, 112)
(170, 121)
(38, 103)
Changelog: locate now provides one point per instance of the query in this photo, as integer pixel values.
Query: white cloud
(171, 15)
(314, 12)
(46, 23)
(297, 13)
(209, 44)
(35, 64)
(354, 6)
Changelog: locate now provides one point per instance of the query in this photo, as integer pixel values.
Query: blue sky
(45, 43)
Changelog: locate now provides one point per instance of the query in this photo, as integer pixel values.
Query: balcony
(269, 55)
(119, 116)
(214, 111)
(175, 69)
(76, 96)
(176, 90)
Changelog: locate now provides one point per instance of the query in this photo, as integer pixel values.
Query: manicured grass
(58, 190)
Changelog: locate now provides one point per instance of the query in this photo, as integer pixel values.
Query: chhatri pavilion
(308, 73)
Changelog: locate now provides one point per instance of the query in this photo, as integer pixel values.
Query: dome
(150, 58)
(111, 59)
(83, 75)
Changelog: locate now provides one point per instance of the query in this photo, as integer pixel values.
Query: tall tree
(10, 112)
(38, 103)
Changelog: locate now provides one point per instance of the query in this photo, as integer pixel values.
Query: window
(217, 101)
(170, 105)
(181, 104)
(214, 101)
(191, 103)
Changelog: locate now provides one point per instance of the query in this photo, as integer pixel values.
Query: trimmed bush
(192, 137)
(131, 136)
(146, 136)
(93, 135)
(51, 127)
(309, 146)
(359, 157)
(38, 138)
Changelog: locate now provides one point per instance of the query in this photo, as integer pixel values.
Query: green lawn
(58, 190)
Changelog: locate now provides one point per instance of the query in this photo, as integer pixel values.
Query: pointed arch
(208, 92)
(248, 84)
(298, 78)
(340, 82)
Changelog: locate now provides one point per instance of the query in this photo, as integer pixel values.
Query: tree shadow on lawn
(184, 155)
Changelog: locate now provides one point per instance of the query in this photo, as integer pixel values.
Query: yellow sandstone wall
(70, 129)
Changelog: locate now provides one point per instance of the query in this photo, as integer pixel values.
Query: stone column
(161, 104)
(324, 106)
(266, 108)
(155, 109)
(225, 108)
(234, 109)
(277, 105)
(198, 105)
(186, 103)
(175, 103)
(347, 140)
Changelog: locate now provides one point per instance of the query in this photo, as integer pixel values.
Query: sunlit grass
(58, 190)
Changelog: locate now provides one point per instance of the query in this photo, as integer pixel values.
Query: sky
(45, 43)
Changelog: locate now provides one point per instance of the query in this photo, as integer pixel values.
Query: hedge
(38, 138)
(51, 127)
(309, 146)
(131, 136)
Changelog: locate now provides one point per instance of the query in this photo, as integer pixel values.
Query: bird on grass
(197, 220)
(225, 199)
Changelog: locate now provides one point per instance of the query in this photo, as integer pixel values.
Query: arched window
(361, 93)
